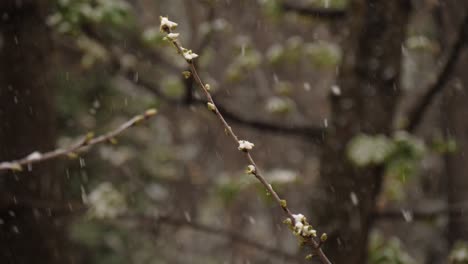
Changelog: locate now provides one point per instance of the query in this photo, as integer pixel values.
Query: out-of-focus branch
(70, 151)
(312, 132)
(316, 133)
(410, 214)
(417, 112)
(317, 12)
(420, 213)
(67, 207)
(235, 236)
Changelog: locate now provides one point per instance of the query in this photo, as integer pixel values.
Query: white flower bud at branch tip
(245, 145)
(166, 24)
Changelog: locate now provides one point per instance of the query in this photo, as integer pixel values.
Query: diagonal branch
(297, 222)
(317, 12)
(312, 132)
(235, 236)
(316, 133)
(70, 151)
(418, 111)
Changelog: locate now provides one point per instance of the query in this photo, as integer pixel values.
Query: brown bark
(27, 234)
(455, 111)
(369, 82)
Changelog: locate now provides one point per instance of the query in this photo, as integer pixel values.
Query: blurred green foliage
(459, 253)
(400, 155)
(71, 15)
(387, 251)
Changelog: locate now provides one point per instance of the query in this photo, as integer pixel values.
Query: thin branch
(235, 236)
(422, 212)
(317, 12)
(309, 240)
(311, 132)
(316, 133)
(418, 111)
(80, 145)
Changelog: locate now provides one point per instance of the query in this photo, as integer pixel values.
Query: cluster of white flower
(106, 202)
(172, 36)
(189, 54)
(166, 27)
(302, 227)
(166, 24)
(245, 145)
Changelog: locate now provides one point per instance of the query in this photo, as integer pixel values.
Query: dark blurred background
(357, 108)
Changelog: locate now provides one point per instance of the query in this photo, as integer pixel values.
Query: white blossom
(301, 227)
(172, 36)
(298, 217)
(307, 230)
(189, 54)
(245, 145)
(166, 24)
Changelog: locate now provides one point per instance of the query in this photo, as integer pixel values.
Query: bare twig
(166, 26)
(87, 141)
(417, 113)
(235, 236)
(315, 133)
(318, 12)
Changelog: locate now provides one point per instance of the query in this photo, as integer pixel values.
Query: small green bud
(309, 257)
(284, 204)
(72, 155)
(250, 169)
(16, 167)
(207, 87)
(89, 137)
(186, 74)
(151, 112)
(211, 106)
(324, 237)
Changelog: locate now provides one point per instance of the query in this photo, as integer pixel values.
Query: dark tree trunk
(456, 124)
(28, 234)
(369, 82)
(456, 110)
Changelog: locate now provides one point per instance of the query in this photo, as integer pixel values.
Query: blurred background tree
(356, 108)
